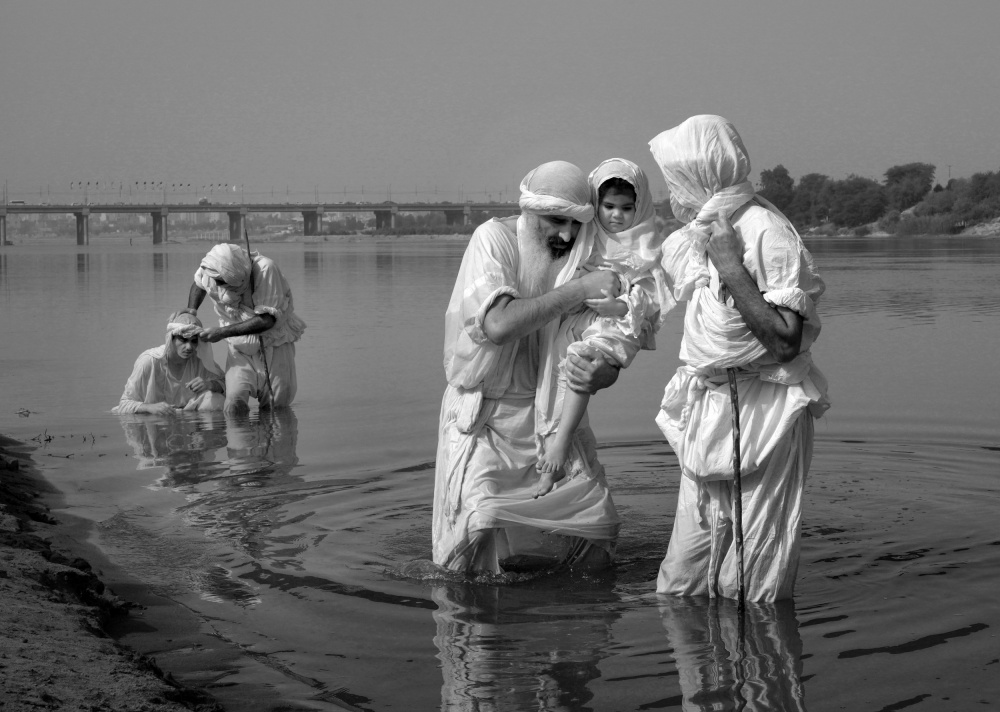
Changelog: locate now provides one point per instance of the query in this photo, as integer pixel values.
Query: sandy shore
(54, 651)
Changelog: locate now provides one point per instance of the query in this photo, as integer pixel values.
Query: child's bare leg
(551, 465)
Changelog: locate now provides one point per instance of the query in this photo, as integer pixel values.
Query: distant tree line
(904, 203)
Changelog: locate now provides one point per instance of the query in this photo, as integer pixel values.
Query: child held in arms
(620, 324)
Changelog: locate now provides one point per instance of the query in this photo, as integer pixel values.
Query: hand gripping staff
(263, 354)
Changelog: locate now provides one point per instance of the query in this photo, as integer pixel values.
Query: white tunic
(484, 512)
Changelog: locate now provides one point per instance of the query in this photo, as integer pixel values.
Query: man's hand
(198, 385)
(211, 334)
(600, 283)
(589, 373)
(608, 306)
(161, 408)
(724, 247)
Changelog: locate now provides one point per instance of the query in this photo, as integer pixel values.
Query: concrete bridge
(312, 214)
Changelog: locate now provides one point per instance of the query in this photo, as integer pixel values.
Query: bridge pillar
(467, 213)
(3, 227)
(236, 220)
(312, 221)
(159, 226)
(83, 226)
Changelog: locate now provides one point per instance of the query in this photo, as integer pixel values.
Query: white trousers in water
(701, 558)
(246, 376)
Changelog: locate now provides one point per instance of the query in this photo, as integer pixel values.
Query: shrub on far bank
(929, 225)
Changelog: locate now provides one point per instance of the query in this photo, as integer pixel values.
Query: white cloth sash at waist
(696, 413)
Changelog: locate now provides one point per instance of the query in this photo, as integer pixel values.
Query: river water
(266, 549)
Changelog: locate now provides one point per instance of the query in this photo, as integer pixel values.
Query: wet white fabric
(484, 512)
(556, 188)
(235, 303)
(152, 381)
(705, 165)
(634, 255)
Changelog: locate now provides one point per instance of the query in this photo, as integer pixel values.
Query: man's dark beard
(558, 248)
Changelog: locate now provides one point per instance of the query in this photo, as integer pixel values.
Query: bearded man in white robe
(751, 290)
(258, 320)
(518, 277)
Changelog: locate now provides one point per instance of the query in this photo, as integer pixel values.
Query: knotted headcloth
(557, 188)
(631, 174)
(188, 325)
(230, 263)
(705, 166)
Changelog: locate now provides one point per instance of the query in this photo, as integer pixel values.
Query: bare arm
(510, 319)
(196, 295)
(779, 329)
(254, 325)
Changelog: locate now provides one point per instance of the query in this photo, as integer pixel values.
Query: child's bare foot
(550, 469)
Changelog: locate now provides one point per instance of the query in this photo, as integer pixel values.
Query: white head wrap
(705, 166)
(631, 174)
(187, 325)
(642, 239)
(230, 263)
(557, 188)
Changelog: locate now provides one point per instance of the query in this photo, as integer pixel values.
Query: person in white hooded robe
(258, 320)
(751, 289)
(179, 375)
(515, 282)
(628, 243)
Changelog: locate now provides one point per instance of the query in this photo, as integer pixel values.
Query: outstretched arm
(779, 329)
(254, 325)
(510, 319)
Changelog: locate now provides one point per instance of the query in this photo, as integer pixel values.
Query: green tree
(809, 204)
(906, 185)
(777, 186)
(856, 201)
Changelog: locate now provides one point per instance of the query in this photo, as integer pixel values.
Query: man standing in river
(515, 282)
(752, 289)
(258, 320)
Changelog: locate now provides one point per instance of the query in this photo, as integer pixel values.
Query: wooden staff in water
(734, 397)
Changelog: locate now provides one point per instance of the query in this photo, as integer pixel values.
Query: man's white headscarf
(231, 264)
(557, 188)
(187, 325)
(705, 166)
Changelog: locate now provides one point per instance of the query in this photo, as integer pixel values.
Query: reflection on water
(215, 461)
(276, 530)
(83, 269)
(513, 648)
(722, 667)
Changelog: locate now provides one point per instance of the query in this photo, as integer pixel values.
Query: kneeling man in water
(180, 375)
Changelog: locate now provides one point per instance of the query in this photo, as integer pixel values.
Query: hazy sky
(413, 96)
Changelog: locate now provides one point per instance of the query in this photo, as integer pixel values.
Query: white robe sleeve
(489, 270)
(137, 385)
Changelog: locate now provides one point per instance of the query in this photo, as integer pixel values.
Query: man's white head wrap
(705, 166)
(228, 262)
(188, 325)
(557, 188)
